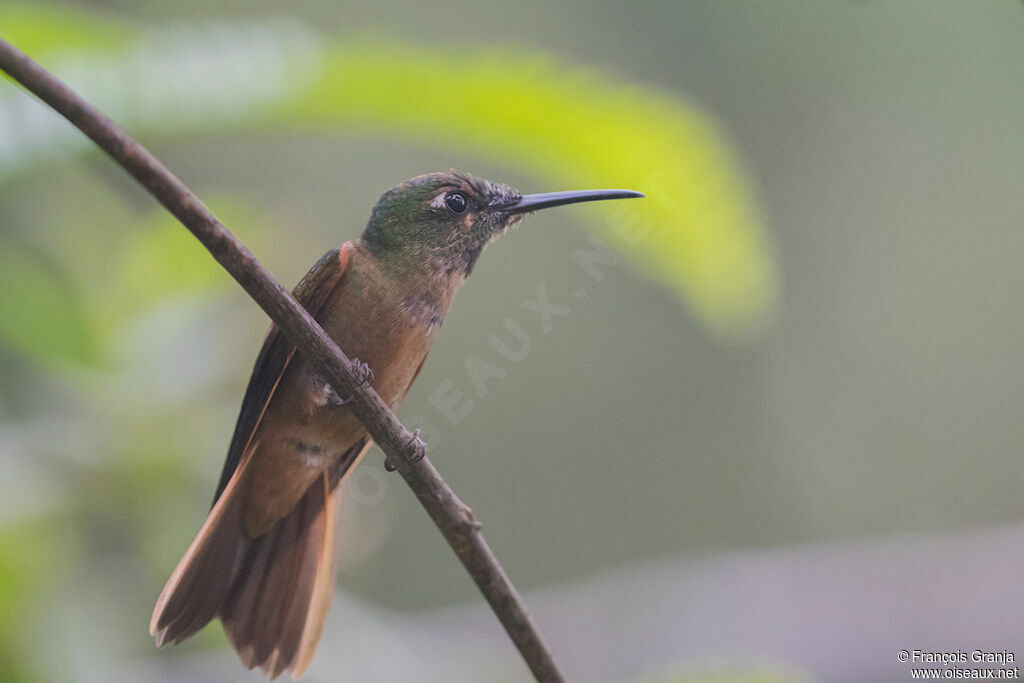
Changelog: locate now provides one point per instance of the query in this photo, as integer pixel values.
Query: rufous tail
(271, 592)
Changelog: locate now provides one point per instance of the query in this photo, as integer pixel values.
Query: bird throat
(426, 285)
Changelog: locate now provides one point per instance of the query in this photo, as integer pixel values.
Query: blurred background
(772, 432)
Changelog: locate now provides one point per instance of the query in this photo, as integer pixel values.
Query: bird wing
(277, 352)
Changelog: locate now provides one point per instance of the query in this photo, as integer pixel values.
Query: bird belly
(303, 432)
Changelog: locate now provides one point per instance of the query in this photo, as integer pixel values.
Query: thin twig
(451, 516)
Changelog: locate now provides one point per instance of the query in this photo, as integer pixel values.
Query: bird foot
(418, 445)
(363, 376)
(362, 372)
(419, 451)
(331, 397)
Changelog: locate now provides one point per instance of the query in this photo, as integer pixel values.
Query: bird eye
(456, 202)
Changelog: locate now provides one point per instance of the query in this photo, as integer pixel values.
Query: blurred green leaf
(38, 28)
(698, 231)
(160, 259)
(32, 554)
(41, 313)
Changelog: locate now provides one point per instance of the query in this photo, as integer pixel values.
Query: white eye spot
(438, 202)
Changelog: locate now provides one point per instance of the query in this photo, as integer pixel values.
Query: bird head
(449, 218)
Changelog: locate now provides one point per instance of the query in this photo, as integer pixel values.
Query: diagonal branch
(451, 516)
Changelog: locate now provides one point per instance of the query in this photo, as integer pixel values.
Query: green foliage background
(75, 298)
(813, 338)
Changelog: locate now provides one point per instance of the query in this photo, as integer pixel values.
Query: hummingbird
(262, 562)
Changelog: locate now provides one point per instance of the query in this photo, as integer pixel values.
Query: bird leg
(362, 371)
(419, 451)
(364, 376)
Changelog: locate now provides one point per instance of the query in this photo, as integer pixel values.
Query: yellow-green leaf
(698, 232)
(41, 313)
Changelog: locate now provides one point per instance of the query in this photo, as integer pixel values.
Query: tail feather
(193, 594)
(272, 592)
(264, 616)
(314, 611)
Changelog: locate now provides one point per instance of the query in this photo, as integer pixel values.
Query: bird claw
(418, 445)
(362, 372)
(331, 397)
(363, 376)
(419, 451)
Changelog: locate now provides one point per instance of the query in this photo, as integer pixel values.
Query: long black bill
(544, 200)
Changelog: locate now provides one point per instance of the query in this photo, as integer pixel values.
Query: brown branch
(452, 516)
